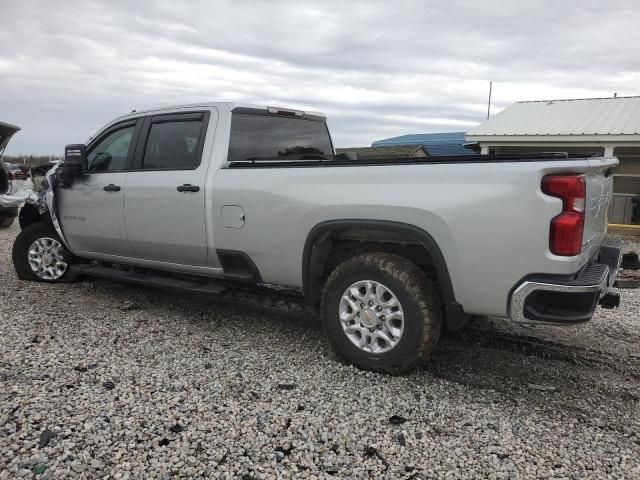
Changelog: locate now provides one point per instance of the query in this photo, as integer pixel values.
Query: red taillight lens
(12, 176)
(567, 228)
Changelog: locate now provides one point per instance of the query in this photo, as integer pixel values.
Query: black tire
(415, 292)
(21, 245)
(6, 221)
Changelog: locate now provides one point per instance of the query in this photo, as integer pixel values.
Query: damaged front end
(37, 205)
(40, 200)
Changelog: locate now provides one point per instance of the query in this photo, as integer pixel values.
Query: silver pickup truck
(203, 197)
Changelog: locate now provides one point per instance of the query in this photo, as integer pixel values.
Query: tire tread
(21, 244)
(417, 285)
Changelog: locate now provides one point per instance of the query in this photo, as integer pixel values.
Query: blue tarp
(449, 143)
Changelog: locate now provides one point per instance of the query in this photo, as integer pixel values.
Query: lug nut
(371, 303)
(383, 318)
(362, 305)
(379, 308)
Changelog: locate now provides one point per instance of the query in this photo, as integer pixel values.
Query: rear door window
(269, 137)
(173, 144)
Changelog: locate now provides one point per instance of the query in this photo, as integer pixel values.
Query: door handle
(187, 187)
(111, 188)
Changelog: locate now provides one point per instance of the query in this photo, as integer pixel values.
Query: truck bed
(337, 160)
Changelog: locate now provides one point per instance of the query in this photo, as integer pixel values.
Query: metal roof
(448, 143)
(584, 117)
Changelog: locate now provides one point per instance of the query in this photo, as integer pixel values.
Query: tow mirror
(75, 163)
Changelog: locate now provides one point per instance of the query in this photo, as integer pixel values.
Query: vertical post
(608, 150)
(489, 105)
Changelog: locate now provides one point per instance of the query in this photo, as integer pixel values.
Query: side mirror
(75, 163)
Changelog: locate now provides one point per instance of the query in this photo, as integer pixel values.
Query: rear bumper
(540, 299)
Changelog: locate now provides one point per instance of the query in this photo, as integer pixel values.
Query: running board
(148, 279)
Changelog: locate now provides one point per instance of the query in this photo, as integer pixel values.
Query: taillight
(567, 228)
(12, 176)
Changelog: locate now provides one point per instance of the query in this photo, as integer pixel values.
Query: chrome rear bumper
(551, 299)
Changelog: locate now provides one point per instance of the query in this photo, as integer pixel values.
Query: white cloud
(377, 68)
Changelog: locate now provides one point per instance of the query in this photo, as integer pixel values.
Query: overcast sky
(377, 69)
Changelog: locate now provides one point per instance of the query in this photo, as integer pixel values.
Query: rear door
(91, 211)
(164, 194)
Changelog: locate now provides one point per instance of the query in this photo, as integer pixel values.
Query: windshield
(267, 137)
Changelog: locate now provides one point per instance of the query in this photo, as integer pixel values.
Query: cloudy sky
(377, 69)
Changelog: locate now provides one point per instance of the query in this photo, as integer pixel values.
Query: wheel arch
(317, 249)
(29, 215)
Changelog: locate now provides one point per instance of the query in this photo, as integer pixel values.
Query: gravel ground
(105, 380)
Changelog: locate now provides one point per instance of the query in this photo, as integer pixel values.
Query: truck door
(91, 210)
(164, 195)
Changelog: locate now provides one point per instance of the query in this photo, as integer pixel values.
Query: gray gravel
(106, 380)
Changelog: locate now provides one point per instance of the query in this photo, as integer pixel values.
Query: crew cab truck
(203, 197)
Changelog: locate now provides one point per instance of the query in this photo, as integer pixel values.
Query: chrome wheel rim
(46, 258)
(371, 316)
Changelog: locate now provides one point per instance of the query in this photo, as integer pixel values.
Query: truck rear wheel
(39, 255)
(381, 313)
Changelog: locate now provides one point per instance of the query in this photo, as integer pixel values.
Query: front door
(91, 210)
(164, 193)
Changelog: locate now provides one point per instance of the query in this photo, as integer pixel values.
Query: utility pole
(489, 105)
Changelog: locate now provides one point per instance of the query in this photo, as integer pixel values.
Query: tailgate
(599, 183)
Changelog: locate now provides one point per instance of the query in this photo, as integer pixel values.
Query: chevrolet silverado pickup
(390, 251)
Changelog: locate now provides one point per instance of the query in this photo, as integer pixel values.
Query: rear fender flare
(455, 315)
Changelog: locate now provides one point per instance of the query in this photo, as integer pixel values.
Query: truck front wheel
(39, 255)
(381, 313)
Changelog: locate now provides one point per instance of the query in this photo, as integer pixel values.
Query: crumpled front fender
(49, 199)
(44, 201)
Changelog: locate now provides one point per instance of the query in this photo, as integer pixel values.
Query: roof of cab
(206, 105)
(228, 105)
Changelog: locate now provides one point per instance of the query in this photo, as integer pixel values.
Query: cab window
(110, 154)
(173, 145)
